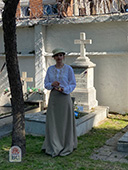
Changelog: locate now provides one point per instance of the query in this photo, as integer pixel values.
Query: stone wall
(109, 51)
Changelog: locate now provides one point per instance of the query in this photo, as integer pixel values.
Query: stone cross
(24, 80)
(83, 41)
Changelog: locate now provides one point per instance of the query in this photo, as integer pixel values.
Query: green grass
(78, 160)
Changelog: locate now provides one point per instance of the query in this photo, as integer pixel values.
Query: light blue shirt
(65, 76)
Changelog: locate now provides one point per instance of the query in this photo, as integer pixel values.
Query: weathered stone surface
(5, 130)
(85, 97)
(124, 138)
(35, 123)
(82, 62)
(109, 151)
(4, 110)
(74, 20)
(35, 97)
(122, 144)
(84, 93)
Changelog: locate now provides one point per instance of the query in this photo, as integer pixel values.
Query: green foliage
(78, 160)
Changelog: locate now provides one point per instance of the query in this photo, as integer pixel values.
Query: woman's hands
(56, 86)
(59, 89)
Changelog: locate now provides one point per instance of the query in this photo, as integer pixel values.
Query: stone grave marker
(24, 80)
(15, 154)
(84, 93)
(36, 97)
(33, 97)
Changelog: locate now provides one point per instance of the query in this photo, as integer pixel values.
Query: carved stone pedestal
(84, 93)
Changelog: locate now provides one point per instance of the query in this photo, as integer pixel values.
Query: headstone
(36, 98)
(24, 80)
(84, 93)
(15, 154)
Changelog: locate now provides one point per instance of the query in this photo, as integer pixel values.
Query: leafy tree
(10, 43)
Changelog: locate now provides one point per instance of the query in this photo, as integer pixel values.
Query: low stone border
(35, 123)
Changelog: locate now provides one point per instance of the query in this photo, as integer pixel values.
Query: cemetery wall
(109, 51)
(25, 40)
(25, 48)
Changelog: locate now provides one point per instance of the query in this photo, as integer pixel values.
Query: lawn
(78, 160)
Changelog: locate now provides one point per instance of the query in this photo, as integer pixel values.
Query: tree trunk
(9, 28)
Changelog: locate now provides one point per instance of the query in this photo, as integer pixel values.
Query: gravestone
(36, 98)
(84, 93)
(24, 80)
(5, 97)
(33, 97)
(15, 154)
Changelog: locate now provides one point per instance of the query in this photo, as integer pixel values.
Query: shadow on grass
(123, 119)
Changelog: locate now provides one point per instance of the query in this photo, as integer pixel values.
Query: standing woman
(60, 138)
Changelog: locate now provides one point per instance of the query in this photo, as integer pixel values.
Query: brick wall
(36, 8)
(70, 8)
(18, 11)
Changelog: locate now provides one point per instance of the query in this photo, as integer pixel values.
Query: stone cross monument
(83, 41)
(84, 93)
(24, 80)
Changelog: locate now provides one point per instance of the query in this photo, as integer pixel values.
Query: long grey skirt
(60, 138)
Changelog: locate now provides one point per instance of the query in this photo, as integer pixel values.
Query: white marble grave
(84, 93)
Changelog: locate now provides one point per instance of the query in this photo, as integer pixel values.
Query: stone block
(35, 123)
(122, 144)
